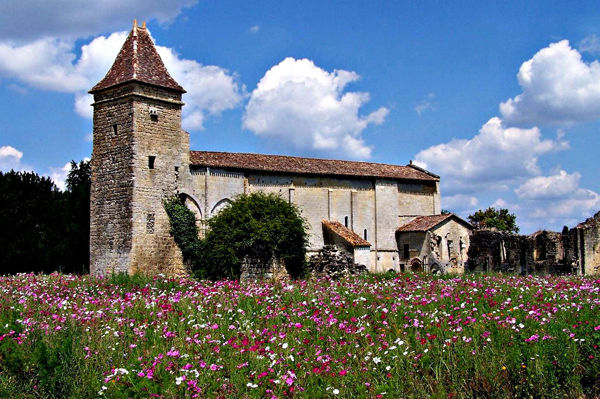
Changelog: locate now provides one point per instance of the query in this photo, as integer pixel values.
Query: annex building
(387, 216)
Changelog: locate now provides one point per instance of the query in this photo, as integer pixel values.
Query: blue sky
(500, 99)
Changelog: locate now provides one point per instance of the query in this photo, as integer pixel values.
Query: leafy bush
(261, 226)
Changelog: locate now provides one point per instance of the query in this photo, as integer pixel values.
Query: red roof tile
(310, 166)
(345, 233)
(424, 223)
(138, 61)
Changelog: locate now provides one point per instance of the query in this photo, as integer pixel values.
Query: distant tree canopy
(259, 225)
(500, 219)
(41, 228)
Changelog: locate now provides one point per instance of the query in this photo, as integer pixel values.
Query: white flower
(336, 391)
(285, 345)
(376, 360)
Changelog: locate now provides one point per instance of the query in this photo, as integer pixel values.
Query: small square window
(151, 160)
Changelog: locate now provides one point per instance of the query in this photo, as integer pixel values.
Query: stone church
(386, 216)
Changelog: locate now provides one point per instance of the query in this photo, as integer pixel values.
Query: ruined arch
(219, 206)
(416, 265)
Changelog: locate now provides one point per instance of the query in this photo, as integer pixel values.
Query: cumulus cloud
(459, 202)
(557, 199)
(254, 28)
(27, 20)
(210, 89)
(10, 158)
(498, 155)
(300, 104)
(52, 64)
(558, 88)
(59, 175)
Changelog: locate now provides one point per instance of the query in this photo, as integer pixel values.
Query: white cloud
(10, 158)
(556, 199)
(51, 64)
(557, 186)
(558, 88)
(27, 20)
(304, 106)
(590, 44)
(59, 176)
(425, 105)
(254, 28)
(498, 155)
(210, 89)
(459, 202)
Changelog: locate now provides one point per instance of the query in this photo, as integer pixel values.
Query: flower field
(377, 336)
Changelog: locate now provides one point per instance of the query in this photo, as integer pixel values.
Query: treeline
(43, 229)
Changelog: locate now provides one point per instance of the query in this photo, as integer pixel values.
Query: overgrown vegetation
(407, 335)
(261, 226)
(43, 229)
(500, 219)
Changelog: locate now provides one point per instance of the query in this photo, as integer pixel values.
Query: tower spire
(139, 61)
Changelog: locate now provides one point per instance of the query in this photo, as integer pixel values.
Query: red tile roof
(424, 223)
(345, 233)
(310, 166)
(138, 61)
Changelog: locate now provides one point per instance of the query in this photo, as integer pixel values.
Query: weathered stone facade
(437, 243)
(575, 250)
(141, 156)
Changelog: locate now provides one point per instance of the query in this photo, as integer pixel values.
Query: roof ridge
(318, 159)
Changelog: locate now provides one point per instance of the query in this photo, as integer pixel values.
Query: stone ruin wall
(575, 250)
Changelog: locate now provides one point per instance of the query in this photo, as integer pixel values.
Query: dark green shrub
(259, 225)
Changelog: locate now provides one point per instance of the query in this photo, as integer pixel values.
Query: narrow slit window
(114, 129)
(151, 160)
(150, 223)
(406, 251)
(365, 234)
(346, 221)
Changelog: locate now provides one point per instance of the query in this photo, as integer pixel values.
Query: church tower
(139, 152)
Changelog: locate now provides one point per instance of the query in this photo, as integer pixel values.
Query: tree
(31, 225)
(41, 228)
(77, 218)
(500, 219)
(258, 225)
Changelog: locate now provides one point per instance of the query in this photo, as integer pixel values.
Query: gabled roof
(310, 166)
(424, 223)
(345, 233)
(138, 61)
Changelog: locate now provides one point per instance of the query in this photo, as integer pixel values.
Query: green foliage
(500, 219)
(41, 228)
(183, 230)
(31, 223)
(258, 225)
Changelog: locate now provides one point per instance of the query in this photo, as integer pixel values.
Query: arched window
(219, 206)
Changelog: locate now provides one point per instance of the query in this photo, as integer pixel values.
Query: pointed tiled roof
(300, 165)
(345, 233)
(138, 61)
(424, 223)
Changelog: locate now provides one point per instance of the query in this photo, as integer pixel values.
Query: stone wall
(137, 161)
(588, 245)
